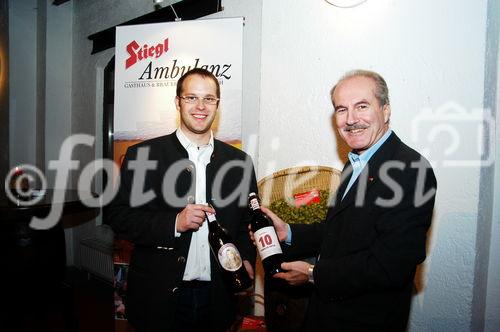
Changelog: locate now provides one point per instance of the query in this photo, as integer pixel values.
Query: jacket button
(190, 199)
(181, 259)
(190, 168)
(175, 289)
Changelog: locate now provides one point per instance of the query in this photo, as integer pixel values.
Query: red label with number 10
(267, 242)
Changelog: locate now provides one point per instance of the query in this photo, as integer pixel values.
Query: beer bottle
(227, 255)
(265, 237)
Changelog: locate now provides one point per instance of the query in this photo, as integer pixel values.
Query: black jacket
(159, 258)
(368, 252)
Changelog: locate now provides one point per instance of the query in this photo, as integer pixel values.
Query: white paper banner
(150, 58)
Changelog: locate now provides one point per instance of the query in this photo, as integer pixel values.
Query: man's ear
(177, 103)
(387, 113)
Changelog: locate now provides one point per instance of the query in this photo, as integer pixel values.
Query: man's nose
(352, 117)
(200, 103)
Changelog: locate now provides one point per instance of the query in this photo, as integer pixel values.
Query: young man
(374, 235)
(174, 283)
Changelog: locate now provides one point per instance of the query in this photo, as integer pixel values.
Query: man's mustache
(354, 127)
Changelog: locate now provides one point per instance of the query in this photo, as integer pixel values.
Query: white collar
(186, 142)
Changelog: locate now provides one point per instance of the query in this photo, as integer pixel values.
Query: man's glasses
(204, 100)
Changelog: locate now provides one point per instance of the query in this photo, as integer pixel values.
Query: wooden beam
(186, 10)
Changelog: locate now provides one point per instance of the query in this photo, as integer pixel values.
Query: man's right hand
(280, 226)
(192, 217)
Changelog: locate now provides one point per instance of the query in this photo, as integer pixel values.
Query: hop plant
(305, 214)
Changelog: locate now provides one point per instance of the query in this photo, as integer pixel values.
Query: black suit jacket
(370, 244)
(159, 258)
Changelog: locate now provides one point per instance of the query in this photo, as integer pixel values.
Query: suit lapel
(336, 202)
(216, 161)
(344, 180)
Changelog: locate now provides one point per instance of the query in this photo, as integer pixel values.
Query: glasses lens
(205, 100)
(210, 100)
(190, 99)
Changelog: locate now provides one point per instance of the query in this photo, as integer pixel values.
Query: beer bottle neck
(211, 217)
(254, 204)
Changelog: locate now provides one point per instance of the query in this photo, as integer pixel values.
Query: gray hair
(381, 91)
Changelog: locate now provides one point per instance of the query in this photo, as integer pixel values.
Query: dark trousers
(193, 311)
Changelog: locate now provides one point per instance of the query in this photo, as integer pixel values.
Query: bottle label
(229, 257)
(267, 242)
(254, 204)
(210, 216)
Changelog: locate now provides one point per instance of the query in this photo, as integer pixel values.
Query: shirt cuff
(177, 234)
(288, 239)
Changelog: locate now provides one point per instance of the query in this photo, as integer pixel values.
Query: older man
(374, 234)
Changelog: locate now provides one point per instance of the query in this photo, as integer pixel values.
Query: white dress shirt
(198, 260)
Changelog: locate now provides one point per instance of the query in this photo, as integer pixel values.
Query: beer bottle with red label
(227, 255)
(265, 237)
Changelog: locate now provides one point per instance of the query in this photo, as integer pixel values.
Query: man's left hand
(296, 273)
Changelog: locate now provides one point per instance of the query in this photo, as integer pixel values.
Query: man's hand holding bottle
(280, 226)
(297, 272)
(192, 217)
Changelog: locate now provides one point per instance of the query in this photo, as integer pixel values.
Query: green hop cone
(305, 214)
